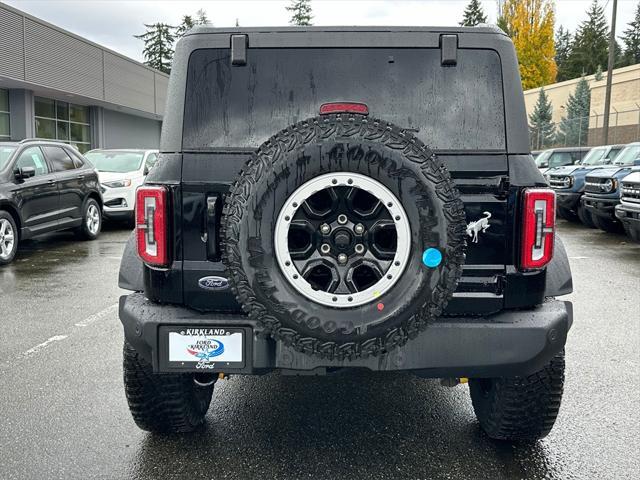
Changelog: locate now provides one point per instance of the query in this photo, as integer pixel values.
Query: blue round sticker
(432, 257)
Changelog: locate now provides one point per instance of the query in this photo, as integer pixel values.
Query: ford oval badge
(213, 283)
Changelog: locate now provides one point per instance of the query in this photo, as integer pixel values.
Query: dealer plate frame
(212, 367)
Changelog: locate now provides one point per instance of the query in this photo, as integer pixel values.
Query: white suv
(121, 172)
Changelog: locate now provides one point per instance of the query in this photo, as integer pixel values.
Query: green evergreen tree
(190, 21)
(590, 46)
(598, 76)
(563, 49)
(201, 17)
(501, 21)
(186, 24)
(300, 12)
(574, 127)
(541, 128)
(631, 40)
(158, 46)
(473, 14)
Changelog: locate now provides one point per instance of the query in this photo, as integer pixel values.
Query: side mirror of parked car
(543, 165)
(636, 162)
(146, 170)
(25, 172)
(606, 161)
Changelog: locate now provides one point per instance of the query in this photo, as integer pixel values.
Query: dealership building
(57, 85)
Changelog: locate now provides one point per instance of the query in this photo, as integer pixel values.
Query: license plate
(207, 347)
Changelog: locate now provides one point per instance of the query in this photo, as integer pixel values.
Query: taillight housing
(538, 228)
(152, 225)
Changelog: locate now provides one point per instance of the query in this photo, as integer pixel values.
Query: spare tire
(343, 236)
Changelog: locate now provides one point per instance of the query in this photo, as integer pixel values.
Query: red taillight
(344, 107)
(152, 225)
(538, 229)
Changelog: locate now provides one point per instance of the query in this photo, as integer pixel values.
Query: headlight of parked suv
(564, 182)
(609, 186)
(118, 183)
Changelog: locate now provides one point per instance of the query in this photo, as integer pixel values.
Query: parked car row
(48, 186)
(601, 190)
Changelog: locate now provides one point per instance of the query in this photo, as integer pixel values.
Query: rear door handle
(51, 180)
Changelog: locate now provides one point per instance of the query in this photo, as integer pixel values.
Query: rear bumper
(602, 207)
(513, 342)
(568, 200)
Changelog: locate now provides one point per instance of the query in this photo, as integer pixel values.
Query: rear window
(451, 108)
(59, 158)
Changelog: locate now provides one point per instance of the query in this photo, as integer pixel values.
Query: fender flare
(131, 267)
(558, 280)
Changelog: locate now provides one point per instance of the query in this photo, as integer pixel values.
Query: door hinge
(239, 45)
(448, 50)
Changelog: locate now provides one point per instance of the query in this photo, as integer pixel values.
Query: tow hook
(452, 382)
(205, 380)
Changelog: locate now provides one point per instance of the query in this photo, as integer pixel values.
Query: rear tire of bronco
(519, 408)
(610, 226)
(163, 403)
(585, 217)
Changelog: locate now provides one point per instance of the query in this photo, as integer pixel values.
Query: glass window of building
(5, 130)
(63, 121)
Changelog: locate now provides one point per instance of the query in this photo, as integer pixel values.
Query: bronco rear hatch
(446, 86)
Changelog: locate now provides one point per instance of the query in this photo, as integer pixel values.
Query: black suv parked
(297, 221)
(44, 187)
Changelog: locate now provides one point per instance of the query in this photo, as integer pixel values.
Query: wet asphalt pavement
(64, 414)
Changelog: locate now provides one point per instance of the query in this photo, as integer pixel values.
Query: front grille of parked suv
(560, 181)
(631, 192)
(595, 185)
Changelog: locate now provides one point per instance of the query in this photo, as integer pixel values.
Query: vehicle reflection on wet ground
(65, 416)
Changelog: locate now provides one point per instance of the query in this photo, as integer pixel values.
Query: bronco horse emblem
(474, 228)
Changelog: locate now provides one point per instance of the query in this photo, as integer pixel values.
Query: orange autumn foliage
(530, 24)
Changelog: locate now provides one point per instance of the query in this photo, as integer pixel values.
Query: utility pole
(612, 54)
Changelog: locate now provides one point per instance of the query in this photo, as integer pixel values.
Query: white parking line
(110, 310)
(37, 348)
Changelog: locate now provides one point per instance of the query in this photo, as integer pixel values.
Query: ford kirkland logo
(213, 283)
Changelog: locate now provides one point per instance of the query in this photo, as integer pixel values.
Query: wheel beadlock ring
(351, 180)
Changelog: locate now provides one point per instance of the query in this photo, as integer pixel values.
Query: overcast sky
(113, 23)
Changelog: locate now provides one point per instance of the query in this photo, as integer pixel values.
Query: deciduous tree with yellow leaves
(530, 24)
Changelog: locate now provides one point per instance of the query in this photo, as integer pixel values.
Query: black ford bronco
(346, 198)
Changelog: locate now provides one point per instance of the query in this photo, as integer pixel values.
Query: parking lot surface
(64, 414)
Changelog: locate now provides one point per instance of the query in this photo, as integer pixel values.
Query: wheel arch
(559, 280)
(96, 196)
(130, 276)
(14, 212)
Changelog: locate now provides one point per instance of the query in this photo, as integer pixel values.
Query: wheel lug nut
(359, 249)
(342, 219)
(342, 258)
(325, 248)
(359, 229)
(325, 228)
